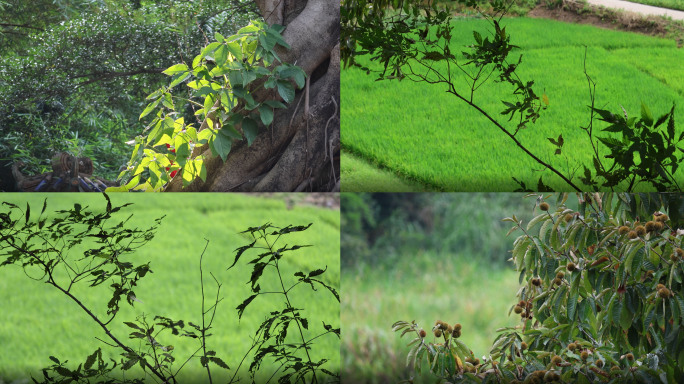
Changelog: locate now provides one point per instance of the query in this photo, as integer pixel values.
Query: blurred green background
(424, 257)
(36, 321)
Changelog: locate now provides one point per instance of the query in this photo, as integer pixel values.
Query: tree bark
(300, 152)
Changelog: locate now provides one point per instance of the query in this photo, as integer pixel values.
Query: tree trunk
(301, 151)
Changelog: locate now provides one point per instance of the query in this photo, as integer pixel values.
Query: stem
(108, 333)
(289, 305)
(204, 328)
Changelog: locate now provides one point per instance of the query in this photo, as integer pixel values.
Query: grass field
(424, 287)
(421, 133)
(672, 4)
(358, 172)
(37, 321)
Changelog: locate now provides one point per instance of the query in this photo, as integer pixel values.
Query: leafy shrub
(602, 299)
(222, 80)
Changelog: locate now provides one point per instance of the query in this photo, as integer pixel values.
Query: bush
(601, 300)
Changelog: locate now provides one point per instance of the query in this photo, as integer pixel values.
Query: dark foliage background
(74, 74)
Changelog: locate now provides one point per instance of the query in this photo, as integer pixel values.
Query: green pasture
(672, 4)
(36, 321)
(419, 132)
(425, 287)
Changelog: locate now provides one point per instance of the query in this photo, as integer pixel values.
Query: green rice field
(425, 287)
(672, 4)
(37, 321)
(420, 133)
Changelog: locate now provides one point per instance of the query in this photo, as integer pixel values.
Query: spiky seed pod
(449, 329)
(560, 275)
(624, 229)
(664, 293)
(679, 252)
(439, 323)
(517, 309)
(558, 281)
(640, 230)
(650, 226)
(674, 257)
(437, 332)
(536, 281)
(422, 333)
(572, 346)
(445, 326)
(523, 346)
(551, 376)
(615, 368)
(599, 363)
(662, 217)
(632, 235)
(476, 362)
(629, 356)
(659, 287)
(457, 327)
(544, 206)
(568, 217)
(522, 303)
(556, 360)
(584, 355)
(456, 333)
(571, 266)
(659, 226)
(469, 360)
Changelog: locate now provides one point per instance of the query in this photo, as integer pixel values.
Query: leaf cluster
(222, 81)
(271, 338)
(601, 297)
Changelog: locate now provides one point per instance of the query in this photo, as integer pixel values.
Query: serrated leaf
(241, 308)
(218, 362)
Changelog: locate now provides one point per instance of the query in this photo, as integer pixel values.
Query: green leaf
(174, 69)
(179, 78)
(219, 37)
(91, 360)
(28, 212)
(275, 104)
(249, 127)
(266, 114)
(219, 362)
(235, 50)
(221, 55)
(209, 49)
(221, 145)
(286, 91)
(646, 115)
(150, 107)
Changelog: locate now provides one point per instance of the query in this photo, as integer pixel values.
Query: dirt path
(639, 8)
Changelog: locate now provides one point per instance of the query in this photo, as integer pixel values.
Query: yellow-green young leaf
(205, 135)
(155, 173)
(178, 78)
(219, 37)
(209, 49)
(182, 150)
(155, 134)
(199, 162)
(221, 55)
(150, 107)
(235, 49)
(167, 101)
(266, 114)
(178, 68)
